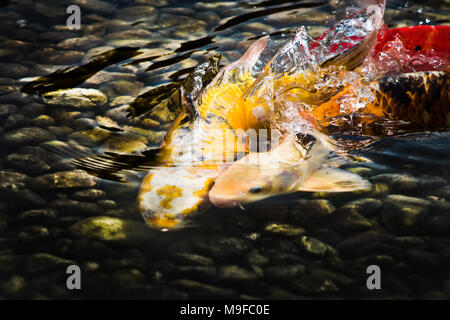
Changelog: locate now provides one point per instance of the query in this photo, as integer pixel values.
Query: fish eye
(306, 140)
(256, 189)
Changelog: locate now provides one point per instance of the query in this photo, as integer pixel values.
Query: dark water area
(70, 171)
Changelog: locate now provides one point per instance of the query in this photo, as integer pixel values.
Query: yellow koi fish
(196, 152)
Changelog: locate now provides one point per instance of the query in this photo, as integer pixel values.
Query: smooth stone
(315, 246)
(408, 241)
(42, 121)
(50, 10)
(284, 230)
(170, 20)
(12, 180)
(200, 273)
(423, 258)
(13, 70)
(83, 43)
(349, 220)
(337, 278)
(97, 6)
(258, 28)
(126, 144)
(439, 205)
(93, 52)
(26, 197)
(29, 160)
(254, 258)
(379, 190)
(402, 200)
(437, 225)
(121, 88)
(352, 245)
(368, 207)
(215, 5)
(74, 207)
(89, 194)
(16, 44)
(11, 262)
(27, 136)
(60, 132)
(233, 274)
(406, 182)
(16, 120)
(106, 122)
(442, 192)
(84, 124)
(113, 230)
(15, 287)
(38, 215)
(200, 290)
(76, 98)
(156, 3)
(64, 180)
(32, 234)
(148, 14)
(109, 204)
(210, 17)
(60, 57)
(312, 213)
(128, 277)
(283, 273)
(130, 34)
(7, 110)
(309, 284)
(222, 248)
(90, 138)
(119, 101)
(43, 262)
(32, 110)
(402, 213)
(56, 36)
(190, 259)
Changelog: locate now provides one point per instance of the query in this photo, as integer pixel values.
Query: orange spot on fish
(162, 221)
(170, 193)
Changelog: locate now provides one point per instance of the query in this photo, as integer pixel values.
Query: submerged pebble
(64, 180)
(407, 182)
(76, 98)
(113, 230)
(27, 136)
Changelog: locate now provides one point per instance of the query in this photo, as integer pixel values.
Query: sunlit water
(289, 247)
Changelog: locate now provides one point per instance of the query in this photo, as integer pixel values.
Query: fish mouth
(223, 201)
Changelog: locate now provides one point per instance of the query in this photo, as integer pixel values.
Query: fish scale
(420, 98)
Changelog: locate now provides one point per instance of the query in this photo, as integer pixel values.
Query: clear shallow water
(298, 246)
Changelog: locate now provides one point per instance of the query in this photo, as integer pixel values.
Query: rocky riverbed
(302, 246)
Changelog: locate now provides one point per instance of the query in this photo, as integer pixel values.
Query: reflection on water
(287, 247)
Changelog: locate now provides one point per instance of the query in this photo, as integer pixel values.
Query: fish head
(262, 175)
(242, 184)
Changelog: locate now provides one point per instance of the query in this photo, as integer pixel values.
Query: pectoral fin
(334, 180)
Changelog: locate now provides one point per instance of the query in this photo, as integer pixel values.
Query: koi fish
(416, 88)
(421, 97)
(234, 102)
(295, 165)
(196, 151)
